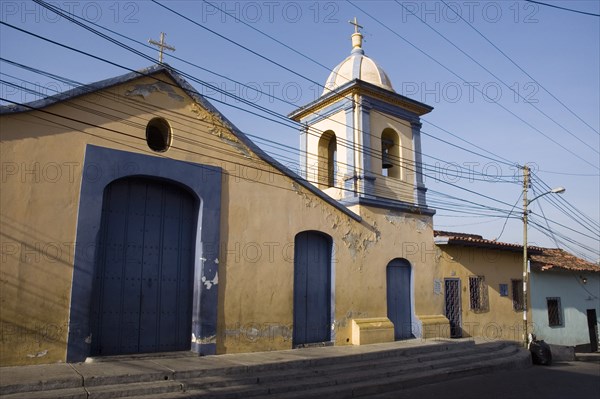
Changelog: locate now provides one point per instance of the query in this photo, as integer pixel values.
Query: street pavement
(561, 380)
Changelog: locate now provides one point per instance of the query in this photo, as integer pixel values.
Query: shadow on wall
(36, 285)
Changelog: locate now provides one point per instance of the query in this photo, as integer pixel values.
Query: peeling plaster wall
(261, 212)
(258, 286)
(401, 235)
(41, 179)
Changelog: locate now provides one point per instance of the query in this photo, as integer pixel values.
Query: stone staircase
(336, 372)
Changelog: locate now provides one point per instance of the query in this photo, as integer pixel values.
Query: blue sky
(560, 50)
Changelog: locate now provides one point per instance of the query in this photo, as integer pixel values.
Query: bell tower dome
(361, 141)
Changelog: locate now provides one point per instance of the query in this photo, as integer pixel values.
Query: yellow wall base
(372, 330)
(435, 326)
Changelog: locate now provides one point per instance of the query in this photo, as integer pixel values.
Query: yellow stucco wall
(500, 320)
(261, 212)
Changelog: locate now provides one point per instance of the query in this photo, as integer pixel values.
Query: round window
(158, 134)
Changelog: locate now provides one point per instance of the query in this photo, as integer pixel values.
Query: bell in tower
(386, 162)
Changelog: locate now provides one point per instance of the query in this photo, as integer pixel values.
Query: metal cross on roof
(356, 25)
(162, 46)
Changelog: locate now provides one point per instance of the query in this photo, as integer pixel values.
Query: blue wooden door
(398, 297)
(143, 278)
(312, 288)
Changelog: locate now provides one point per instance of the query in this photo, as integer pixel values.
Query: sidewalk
(180, 365)
(588, 357)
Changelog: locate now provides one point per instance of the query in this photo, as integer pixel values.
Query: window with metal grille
(478, 298)
(554, 312)
(517, 294)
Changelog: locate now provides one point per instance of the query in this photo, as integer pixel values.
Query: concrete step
(391, 382)
(340, 367)
(38, 378)
(135, 389)
(260, 384)
(147, 368)
(60, 393)
(336, 379)
(104, 391)
(372, 384)
(311, 372)
(314, 357)
(586, 357)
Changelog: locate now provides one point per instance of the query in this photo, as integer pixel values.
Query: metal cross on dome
(162, 46)
(356, 25)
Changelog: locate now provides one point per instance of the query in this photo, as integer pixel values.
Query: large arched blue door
(399, 297)
(312, 288)
(143, 277)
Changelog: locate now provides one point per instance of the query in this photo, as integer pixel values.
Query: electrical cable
(499, 79)
(518, 66)
(475, 88)
(563, 8)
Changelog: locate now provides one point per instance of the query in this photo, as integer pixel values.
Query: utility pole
(525, 269)
(526, 202)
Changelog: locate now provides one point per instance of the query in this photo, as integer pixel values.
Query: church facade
(136, 219)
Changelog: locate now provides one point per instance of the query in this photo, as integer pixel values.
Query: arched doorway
(399, 297)
(312, 288)
(144, 268)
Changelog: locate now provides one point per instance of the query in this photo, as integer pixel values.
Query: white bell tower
(361, 141)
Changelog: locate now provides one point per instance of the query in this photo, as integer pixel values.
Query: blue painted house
(565, 299)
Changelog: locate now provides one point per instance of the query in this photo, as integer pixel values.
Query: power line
(573, 210)
(426, 167)
(545, 218)
(475, 88)
(563, 8)
(498, 78)
(261, 116)
(145, 56)
(507, 217)
(269, 36)
(96, 112)
(471, 191)
(565, 239)
(502, 159)
(432, 177)
(285, 119)
(83, 122)
(330, 70)
(235, 43)
(568, 174)
(518, 66)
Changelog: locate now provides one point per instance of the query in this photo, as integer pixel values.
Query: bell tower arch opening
(391, 162)
(327, 161)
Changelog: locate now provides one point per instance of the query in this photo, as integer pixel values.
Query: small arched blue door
(312, 288)
(399, 297)
(143, 277)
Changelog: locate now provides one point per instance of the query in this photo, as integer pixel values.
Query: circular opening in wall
(158, 134)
